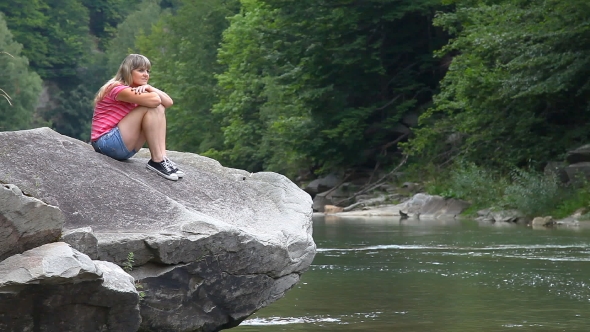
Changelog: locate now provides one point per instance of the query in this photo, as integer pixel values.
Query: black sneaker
(175, 168)
(163, 168)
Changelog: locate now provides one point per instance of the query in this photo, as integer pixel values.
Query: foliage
(3, 93)
(16, 81)
(128, 264)
(136, 24)
(139, 287)
(56, 39)
(481, 187)
(241, 86)
(526, 190)
(105, 15)
(183, 50)
(517, 87)
(576, 197)
(322, 84)
(26, 21)
(54, 34)
(74, 114)
(532, 193)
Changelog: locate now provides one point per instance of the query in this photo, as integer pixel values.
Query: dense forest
(309, 87)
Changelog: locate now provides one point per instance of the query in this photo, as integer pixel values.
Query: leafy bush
(480, 186)
(527, 191)
(533, 193)
(578, 197)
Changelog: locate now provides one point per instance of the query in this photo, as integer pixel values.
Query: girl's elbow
(152, 104)
(155, 101)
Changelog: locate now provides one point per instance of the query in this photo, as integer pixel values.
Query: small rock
(332, 209)
(543, 221)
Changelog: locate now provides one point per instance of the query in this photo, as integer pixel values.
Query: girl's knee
(159, 109)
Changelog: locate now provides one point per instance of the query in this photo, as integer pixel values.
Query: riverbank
(423, 206)
(523, 196)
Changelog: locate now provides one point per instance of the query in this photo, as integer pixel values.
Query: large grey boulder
(208, 250)
(578, 155)
(25, 222)
(322, 184)
(578, 173)
(419, 206)
(433, 206)
(54, 288)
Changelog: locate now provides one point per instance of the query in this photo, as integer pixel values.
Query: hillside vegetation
(310, 87)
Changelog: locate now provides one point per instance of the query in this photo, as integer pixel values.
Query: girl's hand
(141, 89)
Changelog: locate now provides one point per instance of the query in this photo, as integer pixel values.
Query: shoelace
(170, 162)
(168, 165)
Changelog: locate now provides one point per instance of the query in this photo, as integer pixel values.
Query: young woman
(129, 112)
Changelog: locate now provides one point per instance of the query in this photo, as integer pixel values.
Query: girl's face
(140, 76)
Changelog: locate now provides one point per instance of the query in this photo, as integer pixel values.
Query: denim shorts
(111, 144)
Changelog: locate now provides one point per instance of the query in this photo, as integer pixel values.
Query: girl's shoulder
(115, 88)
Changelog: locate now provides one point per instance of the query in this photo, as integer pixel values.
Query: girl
(129, 112)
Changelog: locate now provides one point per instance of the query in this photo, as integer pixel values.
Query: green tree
(54, 35)
(23, 86)
(324, 84)
(68, 40)
(105, 15)
(137, 24)
(183, 50)
(74, 114)
(242, 85)
(517, 87)
(27, 22)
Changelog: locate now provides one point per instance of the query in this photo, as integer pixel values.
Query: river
(379, 274)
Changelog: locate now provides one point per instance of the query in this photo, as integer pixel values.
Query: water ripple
(288, 320)
(340, 320)
(446, 247)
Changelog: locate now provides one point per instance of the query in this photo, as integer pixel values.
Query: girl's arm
(142, 90)
(147, 99)
(166, 100)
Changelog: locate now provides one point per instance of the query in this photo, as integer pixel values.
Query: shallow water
(378, 274)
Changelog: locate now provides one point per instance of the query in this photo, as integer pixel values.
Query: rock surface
(56, 288)
(25, 222)
(209, 249)
(53, 263)
(578, 155)
(421, 206)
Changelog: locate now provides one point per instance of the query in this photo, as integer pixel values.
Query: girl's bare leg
(145, 124)
(162, 135)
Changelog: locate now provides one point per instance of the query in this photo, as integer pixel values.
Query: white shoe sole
(179, 173)
(172, 176)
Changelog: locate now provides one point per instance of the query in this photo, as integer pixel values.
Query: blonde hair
(124, 76)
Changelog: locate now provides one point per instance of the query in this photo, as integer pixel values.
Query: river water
(378, 274)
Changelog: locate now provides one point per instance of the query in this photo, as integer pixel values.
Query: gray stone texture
(208, 250)
(578, 155)
(55, 288)
(578, 173)
(82, 239)
(25, 222)
(433, 205)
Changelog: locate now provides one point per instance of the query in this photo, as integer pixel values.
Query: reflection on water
(383, 274)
